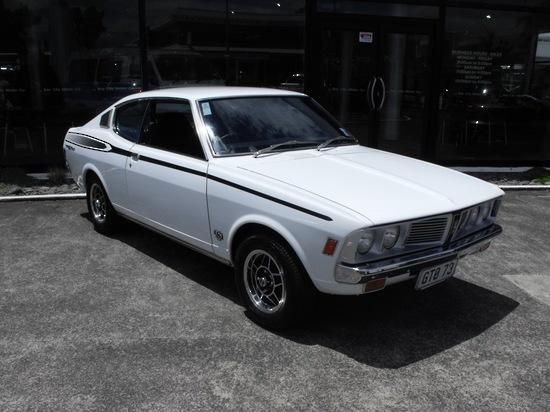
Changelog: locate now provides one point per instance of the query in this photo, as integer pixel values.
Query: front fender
(273, 225)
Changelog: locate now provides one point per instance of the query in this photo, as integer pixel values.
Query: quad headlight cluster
(372, 241)
(389, 237)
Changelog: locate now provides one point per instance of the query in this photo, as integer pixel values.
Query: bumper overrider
(401, 268)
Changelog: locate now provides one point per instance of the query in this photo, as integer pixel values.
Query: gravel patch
(16, 190)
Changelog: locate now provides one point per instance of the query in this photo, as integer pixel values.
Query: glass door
(375, 78)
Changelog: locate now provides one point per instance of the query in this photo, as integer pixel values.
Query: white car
(268, 182)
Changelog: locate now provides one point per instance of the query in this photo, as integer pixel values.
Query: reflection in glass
(402, 117)
(378, 8)
(495, 101)
(61, 62)
(240, 42)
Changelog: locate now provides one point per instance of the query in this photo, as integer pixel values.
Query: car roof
(209, 92)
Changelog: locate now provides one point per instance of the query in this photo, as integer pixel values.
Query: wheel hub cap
(98, 203)
(264, 281)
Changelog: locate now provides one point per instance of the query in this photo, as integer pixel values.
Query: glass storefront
(61, 63)
(236, 42)
(495, 98)
(454, 82)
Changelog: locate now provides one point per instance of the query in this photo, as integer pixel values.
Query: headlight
(391, 234)
(474, 213)
(365, 243)
(485, 209)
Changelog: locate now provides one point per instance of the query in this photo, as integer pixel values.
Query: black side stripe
(120, 151)
(123, 152)
(114, 149)
(91, 137)
(273, 199)
(69, 142)
(171, 165)
(236, 186)
(87, 142)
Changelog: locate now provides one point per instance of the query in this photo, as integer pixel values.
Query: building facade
(450, 81)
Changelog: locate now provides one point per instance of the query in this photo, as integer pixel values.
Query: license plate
(435, 274)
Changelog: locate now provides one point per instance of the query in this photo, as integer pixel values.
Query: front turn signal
(330, 247)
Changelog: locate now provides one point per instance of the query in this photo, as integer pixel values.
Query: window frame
(122, 105)
(156, 99)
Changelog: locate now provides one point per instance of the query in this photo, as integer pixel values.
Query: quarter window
(169, 125)
(104, 121)
(129, 119)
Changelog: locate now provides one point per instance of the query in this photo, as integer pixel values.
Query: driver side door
(166, 174)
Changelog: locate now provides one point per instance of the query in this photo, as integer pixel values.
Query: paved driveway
(136, 321)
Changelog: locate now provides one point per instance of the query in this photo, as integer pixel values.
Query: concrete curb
(64, 196)
(524, 187)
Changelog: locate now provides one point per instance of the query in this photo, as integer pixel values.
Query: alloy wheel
(264, 281)
(98, 202)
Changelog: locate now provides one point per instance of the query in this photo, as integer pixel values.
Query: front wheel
(101, 210)
(271, 282)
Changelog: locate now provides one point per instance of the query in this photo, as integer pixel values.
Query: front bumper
(401, 268)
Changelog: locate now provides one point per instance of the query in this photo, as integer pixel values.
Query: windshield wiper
(288, 143)
(332, 140)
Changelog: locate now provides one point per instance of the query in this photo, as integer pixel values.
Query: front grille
(429, 230)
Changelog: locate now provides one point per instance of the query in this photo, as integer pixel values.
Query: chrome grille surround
(428, 231)
(421, 234)
(465, 226)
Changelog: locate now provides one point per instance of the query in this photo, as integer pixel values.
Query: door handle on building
(383, 94)
(370, 93)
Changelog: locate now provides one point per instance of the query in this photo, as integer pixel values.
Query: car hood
(381, 186)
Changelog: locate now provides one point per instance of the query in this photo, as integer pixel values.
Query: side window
(129, 118)
(169, 126)
(104, 121)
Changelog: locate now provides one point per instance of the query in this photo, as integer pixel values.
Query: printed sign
(365, 37)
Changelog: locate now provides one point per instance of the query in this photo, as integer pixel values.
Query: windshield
(248, 124)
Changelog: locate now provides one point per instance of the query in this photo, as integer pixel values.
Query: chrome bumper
(401, 268)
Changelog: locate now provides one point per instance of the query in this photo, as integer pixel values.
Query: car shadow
(399, 326)
(388, 329)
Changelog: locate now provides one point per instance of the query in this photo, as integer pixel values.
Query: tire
(102, 213)
(272, 283)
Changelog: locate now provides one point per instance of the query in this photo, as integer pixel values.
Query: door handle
(135, 157)
(383, 93)
(370, 93)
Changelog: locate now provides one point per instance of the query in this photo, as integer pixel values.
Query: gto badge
(218, 234)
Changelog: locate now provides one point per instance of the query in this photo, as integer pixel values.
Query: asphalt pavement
(135, 321)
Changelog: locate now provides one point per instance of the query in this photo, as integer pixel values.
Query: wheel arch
(259, 225)
(90, 170)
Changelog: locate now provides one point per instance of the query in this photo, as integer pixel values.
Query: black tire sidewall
(108, 225)
(298, 290)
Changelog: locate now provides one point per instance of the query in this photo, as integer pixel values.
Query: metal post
(143, 45)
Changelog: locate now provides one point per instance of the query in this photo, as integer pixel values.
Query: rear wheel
(101, 210)
(272, 282)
